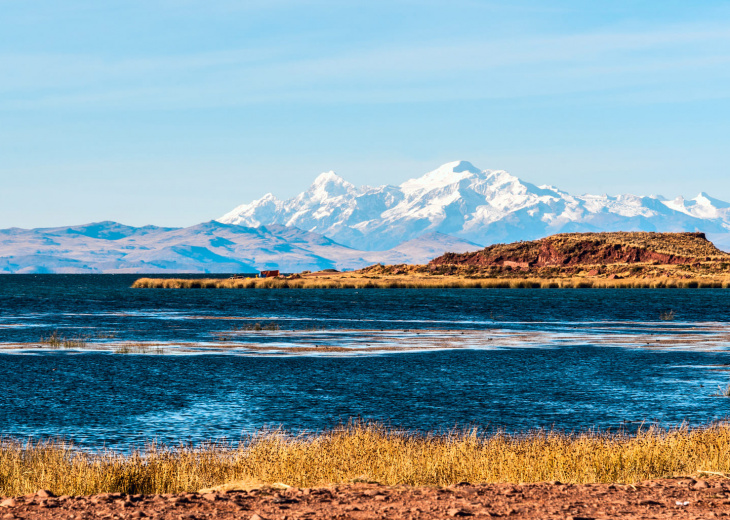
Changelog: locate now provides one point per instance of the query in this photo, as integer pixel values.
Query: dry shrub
(369, 452)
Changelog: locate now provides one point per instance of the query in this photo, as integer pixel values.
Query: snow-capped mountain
(211, 247)
(334, 224)
(481, 206)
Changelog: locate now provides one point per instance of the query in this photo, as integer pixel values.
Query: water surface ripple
(564, 370)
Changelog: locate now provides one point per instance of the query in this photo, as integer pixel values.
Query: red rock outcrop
(574, 249)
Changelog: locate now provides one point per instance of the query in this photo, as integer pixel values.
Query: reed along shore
(369, 452)
(358, 281)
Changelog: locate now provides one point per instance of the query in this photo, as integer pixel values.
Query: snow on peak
(329, 184)
(325, 177)
(254, 213)
(444, 175)
(482, 206)
(702, 207)
(706, 207)
(460, 166)
(713, 201)
(703, 199)
(501, 177)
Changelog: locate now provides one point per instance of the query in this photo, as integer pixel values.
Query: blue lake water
(419, 359)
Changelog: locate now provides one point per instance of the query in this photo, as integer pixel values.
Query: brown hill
(574, 249)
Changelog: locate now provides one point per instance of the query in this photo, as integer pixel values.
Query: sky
(173, 112)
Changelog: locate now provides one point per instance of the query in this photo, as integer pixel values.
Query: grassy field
(367, 452)
(418, 281)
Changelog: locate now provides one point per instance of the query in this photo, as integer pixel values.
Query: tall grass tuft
(56, 341)
(667, 315)
(369, 452)
(723, 392)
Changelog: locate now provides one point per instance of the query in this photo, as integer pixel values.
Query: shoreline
(703, 497)
(359, 281)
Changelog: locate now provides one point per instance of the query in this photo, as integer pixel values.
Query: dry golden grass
(357, 281)
(679, 244)
(373, 453)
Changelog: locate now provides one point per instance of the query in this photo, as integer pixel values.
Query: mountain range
(334, 224)
(481, 206)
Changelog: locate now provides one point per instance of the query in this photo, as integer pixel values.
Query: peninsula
(568, 260)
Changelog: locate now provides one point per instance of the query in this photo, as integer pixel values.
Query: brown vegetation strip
(368, 452)
(346, 281)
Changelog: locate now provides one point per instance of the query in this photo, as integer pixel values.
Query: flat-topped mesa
(571, 249)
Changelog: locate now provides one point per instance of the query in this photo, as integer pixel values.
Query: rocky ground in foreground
(671, 498)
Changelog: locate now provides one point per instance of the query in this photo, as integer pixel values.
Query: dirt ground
(674, 498)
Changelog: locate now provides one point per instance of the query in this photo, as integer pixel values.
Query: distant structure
(269, 274)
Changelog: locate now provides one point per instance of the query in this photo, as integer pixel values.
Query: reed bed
(369, 452)
(432, 282)
(56, 341)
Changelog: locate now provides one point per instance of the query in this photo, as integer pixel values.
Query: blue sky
(173, 112)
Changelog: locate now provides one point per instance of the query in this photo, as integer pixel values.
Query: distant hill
(575, 249)
(210, 247)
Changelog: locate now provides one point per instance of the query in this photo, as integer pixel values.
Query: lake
(197, 365)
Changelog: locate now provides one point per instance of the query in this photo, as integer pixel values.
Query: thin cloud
(434, 70)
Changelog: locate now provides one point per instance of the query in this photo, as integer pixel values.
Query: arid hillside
(577, 249)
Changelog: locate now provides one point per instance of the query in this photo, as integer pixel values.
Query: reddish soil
(588, 249)
(674, 498)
